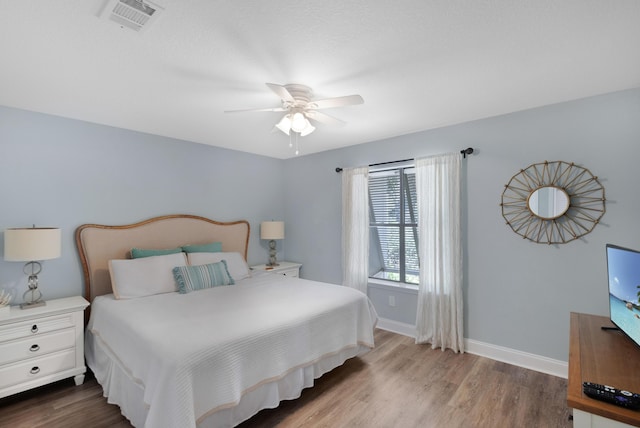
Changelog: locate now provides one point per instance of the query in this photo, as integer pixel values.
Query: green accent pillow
(192, 278)
(214, 247)
(138, 253)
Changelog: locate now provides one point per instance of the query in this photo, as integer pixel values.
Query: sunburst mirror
(553, 202)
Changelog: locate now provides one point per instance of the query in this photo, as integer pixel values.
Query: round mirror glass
(548, 202)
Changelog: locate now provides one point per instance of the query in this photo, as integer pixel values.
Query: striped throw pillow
(192, 278)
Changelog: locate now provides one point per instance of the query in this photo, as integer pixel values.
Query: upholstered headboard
(97, 244)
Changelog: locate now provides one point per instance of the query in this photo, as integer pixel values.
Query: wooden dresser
(606, 357)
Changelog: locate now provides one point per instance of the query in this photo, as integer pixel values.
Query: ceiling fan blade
(256, 109)
(347, 100)
(323, 118)
(281, 92)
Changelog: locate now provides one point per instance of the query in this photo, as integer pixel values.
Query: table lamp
(32, 245)
(272, 230)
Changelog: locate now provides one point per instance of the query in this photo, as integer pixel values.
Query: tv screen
(623, 270)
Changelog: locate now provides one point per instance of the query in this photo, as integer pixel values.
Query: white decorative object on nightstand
(284, 268)
(42, 345)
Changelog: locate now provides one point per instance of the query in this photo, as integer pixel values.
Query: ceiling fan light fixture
(297, 101)
(301, 125)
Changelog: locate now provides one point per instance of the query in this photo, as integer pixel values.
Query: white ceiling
(418, 64)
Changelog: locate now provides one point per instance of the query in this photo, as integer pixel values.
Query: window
(393, 227)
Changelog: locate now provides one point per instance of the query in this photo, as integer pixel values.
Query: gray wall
(63, 173)
(518, 294)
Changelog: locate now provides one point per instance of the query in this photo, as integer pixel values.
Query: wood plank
(574, 387)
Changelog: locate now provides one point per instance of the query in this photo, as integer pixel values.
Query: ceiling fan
(299, 105)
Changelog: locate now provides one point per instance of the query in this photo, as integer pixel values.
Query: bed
(231, 343)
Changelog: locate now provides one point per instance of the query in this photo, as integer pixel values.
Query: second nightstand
(284, 268)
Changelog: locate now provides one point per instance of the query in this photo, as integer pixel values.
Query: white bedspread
(195, 354)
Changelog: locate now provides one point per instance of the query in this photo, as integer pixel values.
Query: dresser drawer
(37, 345)
(35, 327)
(14, 374)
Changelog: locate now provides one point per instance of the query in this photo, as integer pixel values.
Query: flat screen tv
(623, 270)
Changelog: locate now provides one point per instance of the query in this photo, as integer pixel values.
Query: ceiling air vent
(134, 14)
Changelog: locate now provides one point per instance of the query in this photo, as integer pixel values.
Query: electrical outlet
(392, 301)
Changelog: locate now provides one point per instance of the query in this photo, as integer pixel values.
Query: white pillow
(145, 276)
(238, 268)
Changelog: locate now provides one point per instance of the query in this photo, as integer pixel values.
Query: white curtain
(355, 227)
(439, 318)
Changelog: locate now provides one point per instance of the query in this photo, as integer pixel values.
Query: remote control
(612, 395)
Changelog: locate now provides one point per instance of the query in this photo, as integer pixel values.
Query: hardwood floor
(398, 384)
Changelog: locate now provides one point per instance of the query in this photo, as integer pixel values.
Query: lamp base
(272, 254)
(30, 305)
(32, 297)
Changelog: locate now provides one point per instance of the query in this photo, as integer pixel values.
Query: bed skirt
(122, 390)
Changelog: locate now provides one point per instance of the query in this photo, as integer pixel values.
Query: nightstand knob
(34, 328)
(34, 348)
(35, 370)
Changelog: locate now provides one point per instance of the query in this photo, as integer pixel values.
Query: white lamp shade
(272, 230)
(307, 130)
(298, 122)
(285, 124)
(32, 244)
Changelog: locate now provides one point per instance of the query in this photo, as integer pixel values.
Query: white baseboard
(518, 358)
(396, 327)
(499, 353)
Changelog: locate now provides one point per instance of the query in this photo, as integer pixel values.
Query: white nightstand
(284, 268)
(42, 345)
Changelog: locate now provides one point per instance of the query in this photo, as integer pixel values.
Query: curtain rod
(464, 152)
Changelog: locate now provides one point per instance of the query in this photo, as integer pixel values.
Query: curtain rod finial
(338, 169)
(466, 152)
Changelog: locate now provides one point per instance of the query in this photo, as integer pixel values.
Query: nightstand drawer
(36, 368)
(284, 268)
(37, 345)
(289, 272)
(35, 327)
